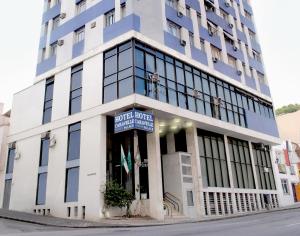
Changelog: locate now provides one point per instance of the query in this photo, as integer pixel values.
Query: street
(272, 224)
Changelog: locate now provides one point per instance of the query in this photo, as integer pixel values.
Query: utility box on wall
(178, 181)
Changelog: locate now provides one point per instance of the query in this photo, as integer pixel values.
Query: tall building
(176, 89)
(4, 129)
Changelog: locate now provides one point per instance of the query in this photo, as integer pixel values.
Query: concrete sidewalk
(119, 222)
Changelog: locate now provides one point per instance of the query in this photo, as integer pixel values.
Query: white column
(155, 175)
(117, 10)
(193, 149)
(137, 168)
(171, 143)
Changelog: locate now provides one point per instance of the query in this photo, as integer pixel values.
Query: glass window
(74, 142)
(190, 199)
(79, 35)
(125, 59)
(10, 161)
(72, 185)
(80, 7)
(125, 87)
(41, 189)
(48, 100)
(110, 18)
(76, 89)
(44, 155)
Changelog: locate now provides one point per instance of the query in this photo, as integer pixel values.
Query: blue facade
(183, 21)
(46, 65)
(131, 22)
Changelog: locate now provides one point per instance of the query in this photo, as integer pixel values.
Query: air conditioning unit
(215, 60)
(261, 146)
(266, 170)
(45, 135)
(93, 24)
(17, 155)
(60, 42)
(154, 77)
(230, 25)
(182, 42)
(227, 3)
(196, 93)
(217, 101)
(63, 15)
(210, 33)
(235, 48)
(239, 72)
(52, 141)
(179, 14)
(12, 145)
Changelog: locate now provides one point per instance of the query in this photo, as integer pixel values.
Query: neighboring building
(287, 172)
(289, 126)
(4, 129)
(207, 125)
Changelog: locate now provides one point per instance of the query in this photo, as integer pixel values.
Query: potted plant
(116, 196)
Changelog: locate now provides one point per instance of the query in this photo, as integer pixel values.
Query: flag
(129, 160)
(123, 160)
(137, 157)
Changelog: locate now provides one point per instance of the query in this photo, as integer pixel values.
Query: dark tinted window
(76, 89)
(41, 189)
(44, 152)
(72, 185)
(74, 142)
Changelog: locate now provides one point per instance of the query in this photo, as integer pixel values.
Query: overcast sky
(276, 23)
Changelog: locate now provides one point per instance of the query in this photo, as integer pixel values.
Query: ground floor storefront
(172, 164)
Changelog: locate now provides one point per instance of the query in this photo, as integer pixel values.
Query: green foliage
(116, 196)
(288, 109)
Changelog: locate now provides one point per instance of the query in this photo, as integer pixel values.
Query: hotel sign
(134, 119)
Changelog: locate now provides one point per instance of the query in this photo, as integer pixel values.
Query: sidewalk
(119, 222)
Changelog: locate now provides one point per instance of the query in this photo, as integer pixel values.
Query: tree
(116, 196)
(288, 109)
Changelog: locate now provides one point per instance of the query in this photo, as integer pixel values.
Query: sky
(276, 23)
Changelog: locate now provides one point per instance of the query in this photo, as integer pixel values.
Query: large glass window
(10, 161)
(76, 89)
(213, 160)
(169, 80)
(47, 113)
(72, 185)
(44, 153)
(241, 164)
(74, 142)
(118, 72)
(41, 189)
(263, 166)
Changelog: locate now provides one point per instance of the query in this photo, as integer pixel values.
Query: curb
(88, 224)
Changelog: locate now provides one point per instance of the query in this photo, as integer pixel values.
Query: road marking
(290, 225)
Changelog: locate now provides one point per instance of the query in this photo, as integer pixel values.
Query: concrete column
(193, 149)
(155, 175)
(117, 10)
(171, 143)
(196, 29)
(223, 44)
(136, 168)
(253, 166)
(228, 162)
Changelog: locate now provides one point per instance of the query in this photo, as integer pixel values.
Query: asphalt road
(282, 223)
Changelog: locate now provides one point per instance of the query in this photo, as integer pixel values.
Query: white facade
(4, 129)
(27, 130)
(287, 174)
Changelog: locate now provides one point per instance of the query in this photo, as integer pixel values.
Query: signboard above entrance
(134, 119)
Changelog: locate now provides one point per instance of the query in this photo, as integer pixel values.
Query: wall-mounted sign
(134, 119)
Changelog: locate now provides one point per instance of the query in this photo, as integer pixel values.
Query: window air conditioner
(93, 24)
(215, 60)
(52, 141)
(45, 135)
(235, 48)
(12, 145)
(63, 15)
(266, 170)
(182, 42)
(179, 14)
(17, 155)
(239, 72)
(230, 25)
(227, 3)
(60, 42)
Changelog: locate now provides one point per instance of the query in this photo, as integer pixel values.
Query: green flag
(123, 160)
(129, 160)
